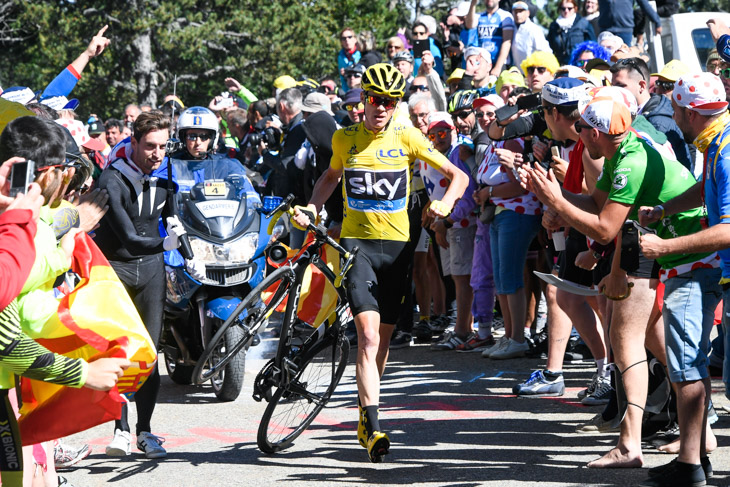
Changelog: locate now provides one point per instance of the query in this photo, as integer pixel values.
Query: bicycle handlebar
(319, 231)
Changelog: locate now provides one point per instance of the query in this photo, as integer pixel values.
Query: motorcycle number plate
(215, 189)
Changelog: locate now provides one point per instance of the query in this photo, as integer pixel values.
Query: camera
(21, 175)
(270, 136)
(173, 145)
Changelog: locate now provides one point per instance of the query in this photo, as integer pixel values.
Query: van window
(702, 40)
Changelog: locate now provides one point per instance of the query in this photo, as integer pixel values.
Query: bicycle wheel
(294, 406)
(258, 306)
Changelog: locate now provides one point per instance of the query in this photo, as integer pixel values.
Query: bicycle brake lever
(350, 259)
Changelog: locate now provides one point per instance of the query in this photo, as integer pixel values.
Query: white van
(685, 37)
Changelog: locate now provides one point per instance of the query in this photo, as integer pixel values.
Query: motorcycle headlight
(237, 252)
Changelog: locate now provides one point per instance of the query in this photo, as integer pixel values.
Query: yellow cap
(456, 75)
(284, 82)
(672, 70)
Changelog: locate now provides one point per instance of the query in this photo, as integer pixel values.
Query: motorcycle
(227, 227)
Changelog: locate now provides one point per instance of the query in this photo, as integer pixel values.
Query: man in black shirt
(129, 237)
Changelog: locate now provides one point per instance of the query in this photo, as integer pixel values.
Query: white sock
(485, 329)
(601, 368)
(528, 332)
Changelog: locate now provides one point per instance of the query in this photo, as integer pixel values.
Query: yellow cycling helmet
(384, 79)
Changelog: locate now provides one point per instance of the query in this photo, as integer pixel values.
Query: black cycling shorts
(378, 280)
(574, 244)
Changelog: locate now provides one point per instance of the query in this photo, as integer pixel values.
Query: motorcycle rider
(198, 129)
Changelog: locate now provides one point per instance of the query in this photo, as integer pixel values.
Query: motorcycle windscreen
(217, 209)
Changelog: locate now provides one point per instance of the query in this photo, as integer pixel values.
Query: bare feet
(618, 458)
(673, 447)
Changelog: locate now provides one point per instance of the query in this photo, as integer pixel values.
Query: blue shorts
(690, 300)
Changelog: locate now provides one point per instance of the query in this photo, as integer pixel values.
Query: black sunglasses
(540, 69)
(202, 137)
(462, 114)
(665, 85)
(418, 88)
(580, 126)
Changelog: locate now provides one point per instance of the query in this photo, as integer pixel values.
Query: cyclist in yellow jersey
(372, 162)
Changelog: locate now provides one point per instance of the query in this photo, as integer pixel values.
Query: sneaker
(401, 339)
(439, 324)
(539, 385)
(476, 344)
(513, 349)
(422, 330)
(362, 432)
(712, 416)
(450, 343)
(676, 474)
(501, 343)
(151, 445)
(601, 394)
(589, 390)
(538, 346)
(704, 461)
(378, 446)
(597, 425)
(66, 457)
(121, 444)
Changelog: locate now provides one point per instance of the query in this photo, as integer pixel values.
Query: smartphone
(419, 47)
(505, 112)
(21, 175)
(555, 151)
(226, 102)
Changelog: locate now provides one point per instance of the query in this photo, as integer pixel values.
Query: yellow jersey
(376, 179)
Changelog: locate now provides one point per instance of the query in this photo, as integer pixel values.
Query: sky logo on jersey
(376, 190)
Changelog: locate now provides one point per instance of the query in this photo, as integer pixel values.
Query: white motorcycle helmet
(198, 118)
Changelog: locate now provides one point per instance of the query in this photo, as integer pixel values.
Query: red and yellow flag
(97, 319)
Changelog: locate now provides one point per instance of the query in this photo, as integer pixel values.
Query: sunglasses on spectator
(566, 9)
(418, 88)
(395, 47)
(462, 114)
(441, 135)
(344, 37)
(665, 85)
(355, 108)
(581, 63)
(192, 137)
(353, 75)
(379, 101)
(419, 32)
(580, 126)
(725, 73)
(479, 114)
(540, 69)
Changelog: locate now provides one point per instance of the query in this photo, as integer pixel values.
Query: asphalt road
(451, 418)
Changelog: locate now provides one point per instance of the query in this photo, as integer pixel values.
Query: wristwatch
(447, 223)
(491, 188)
(597, 255)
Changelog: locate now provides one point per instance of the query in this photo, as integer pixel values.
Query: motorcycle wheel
(180, 374)
(227, 384)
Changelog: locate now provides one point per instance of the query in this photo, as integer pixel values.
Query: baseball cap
(455, 75)
(19, 94)
(96, 127)
(609, 109)
(81, 137)
(440, 119)
(60, 102)
(492, 99)
(352, 97)
(520, 6)
(511, 76)
(596, 63)
(285, 81)
(462, 9)
(357, 68)
(703, 93)
(564, 91)
(477, 51)
(672, 70)
(316, 102)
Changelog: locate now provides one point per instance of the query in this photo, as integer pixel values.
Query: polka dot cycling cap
(702, 93)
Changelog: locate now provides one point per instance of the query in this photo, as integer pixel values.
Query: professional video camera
(270, 136)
